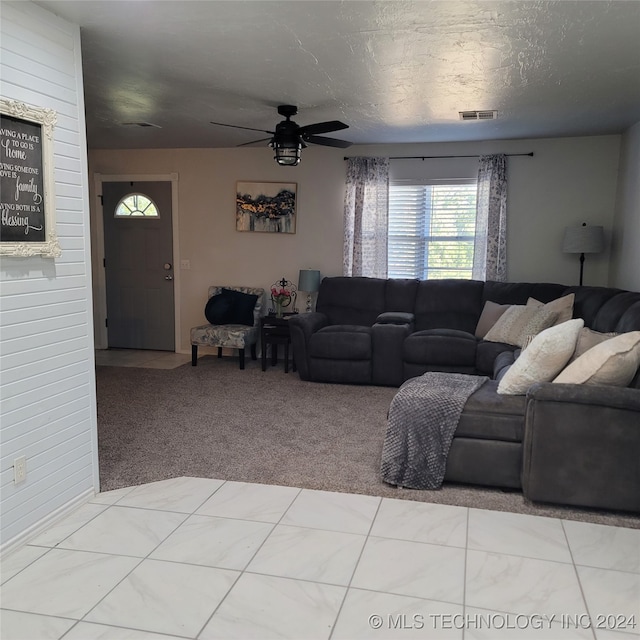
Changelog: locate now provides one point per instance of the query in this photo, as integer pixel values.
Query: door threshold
(140, 358)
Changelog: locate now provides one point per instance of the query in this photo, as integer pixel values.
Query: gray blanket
(423, 417)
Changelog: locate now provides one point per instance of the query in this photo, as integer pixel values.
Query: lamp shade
(309, 280)
(583, 239)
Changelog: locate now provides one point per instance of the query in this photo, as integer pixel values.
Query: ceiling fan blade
(328, 142)
(244, 144)
(322, 127)
(236, 126)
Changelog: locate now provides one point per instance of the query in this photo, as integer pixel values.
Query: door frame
(102, 339)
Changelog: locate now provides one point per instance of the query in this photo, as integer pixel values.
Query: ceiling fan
(289, 138)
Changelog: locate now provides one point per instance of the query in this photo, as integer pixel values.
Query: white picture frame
(26, 168)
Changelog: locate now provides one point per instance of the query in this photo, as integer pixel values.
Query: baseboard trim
(37, 528)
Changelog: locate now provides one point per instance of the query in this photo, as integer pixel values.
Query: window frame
(132, 216)
(425, 239)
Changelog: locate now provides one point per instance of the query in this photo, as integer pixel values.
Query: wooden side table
(275, 331)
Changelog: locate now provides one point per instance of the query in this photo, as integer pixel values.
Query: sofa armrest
(302, 327)
(587, 395)
(396, 317)
(309, 322)
(582, 446)
(386, 347)
(503, 362)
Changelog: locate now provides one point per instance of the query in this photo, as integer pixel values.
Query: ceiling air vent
(478, 115)
(140, 124)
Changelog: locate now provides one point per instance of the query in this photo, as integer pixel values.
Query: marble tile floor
(140, 358)
(202, 558)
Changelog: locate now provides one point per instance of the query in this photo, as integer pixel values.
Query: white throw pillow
(543, 359)
(519, 321)
(612, 362)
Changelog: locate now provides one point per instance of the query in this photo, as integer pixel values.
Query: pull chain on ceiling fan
(289, 138)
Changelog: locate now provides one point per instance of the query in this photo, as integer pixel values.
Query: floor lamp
(583, 239)
(309, 281)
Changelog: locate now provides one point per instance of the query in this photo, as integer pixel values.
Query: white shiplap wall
(47, 378)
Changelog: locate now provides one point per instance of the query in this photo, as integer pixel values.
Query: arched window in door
(135, 205)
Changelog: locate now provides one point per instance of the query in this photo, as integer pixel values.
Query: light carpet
(215, 421)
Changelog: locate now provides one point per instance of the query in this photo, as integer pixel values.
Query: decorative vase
(278, 310)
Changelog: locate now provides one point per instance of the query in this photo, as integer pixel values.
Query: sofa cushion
(440, 347)
(507, 292)
(543, 359)
(520, 292)
(356, 301)
(400, 294)
(518, 322)
(341, 342)
(451, 304)
(613, 362)
(616, 308)
(588, 303)
(630, 319)
(490, 416)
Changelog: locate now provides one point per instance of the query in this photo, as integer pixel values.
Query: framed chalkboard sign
(27, 205)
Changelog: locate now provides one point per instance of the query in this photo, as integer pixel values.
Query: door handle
(168, 277)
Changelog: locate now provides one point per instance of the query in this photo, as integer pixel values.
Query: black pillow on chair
(219, 309)
(243, 305)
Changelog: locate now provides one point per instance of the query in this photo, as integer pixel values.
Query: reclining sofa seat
(343, 342)
(392, 330)
(446, 313)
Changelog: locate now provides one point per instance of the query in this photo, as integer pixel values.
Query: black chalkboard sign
(22, 203)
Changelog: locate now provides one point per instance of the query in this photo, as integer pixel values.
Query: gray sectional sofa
(560, 443)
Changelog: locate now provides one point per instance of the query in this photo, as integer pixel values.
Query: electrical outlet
(19, 469)
(185, 264)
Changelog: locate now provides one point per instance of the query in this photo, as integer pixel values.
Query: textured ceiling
(394, 71)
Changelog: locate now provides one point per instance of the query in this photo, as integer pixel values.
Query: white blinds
(431, 230)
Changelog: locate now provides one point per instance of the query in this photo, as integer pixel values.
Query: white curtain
(490, 250)
(366, 217)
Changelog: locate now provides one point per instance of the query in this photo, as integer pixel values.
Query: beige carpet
(215, 421)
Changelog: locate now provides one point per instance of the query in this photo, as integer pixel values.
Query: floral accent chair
(231, 328)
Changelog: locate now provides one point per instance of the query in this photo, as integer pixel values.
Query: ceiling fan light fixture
(290, 138)
(287, 152)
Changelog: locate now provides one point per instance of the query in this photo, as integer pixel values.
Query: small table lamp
(309, 281)
(583, 240)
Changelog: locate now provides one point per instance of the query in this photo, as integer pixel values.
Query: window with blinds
(431, 230)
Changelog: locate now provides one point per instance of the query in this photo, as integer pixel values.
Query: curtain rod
(434, 157)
